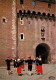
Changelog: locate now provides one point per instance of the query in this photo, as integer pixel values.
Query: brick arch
(45, 53)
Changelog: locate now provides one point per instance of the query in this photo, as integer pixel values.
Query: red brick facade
(39, 7)
(10, 42)
(7, 44)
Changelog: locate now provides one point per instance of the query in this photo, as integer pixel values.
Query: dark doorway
(42, 50)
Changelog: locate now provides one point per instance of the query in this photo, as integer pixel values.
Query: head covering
(8, 57)
(40, 59)
(29, 57)
(18, 59)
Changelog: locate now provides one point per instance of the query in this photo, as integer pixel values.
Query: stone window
(21, 21)
(21, 18)
(21, 36)
(21, 1)
(4, 19)
(49, 5)
(21, 4)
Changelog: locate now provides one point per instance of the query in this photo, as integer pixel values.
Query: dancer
(30, 62)
(39, 68)
(36, 63)
(15, 60)
(8, 60)
(23, 64)
(19, 69)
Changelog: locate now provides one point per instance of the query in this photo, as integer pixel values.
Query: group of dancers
(19, 64)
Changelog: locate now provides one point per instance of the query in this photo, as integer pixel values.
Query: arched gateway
(43, 50)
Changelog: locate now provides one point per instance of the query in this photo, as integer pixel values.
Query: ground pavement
(48, 70)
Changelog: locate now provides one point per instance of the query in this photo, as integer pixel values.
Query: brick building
(28, 28)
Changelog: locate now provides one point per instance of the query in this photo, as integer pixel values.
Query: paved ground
(48, 70)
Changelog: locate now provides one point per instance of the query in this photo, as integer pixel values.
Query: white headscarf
(40, 59)
(18, 59)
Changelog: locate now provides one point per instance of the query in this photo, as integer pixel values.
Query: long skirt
(19, 69)
(39, 69)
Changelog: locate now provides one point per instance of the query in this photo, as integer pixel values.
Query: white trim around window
(21, 36)
(5, 20)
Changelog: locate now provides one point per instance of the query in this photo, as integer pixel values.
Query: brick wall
(39, 7)
(7, 38)
(32, 31)
(9, 35)
(32, 36)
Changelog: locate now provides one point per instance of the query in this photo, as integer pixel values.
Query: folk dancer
(39, 68)
(30, 62)
(8, 60)
(23, 64)
(14, 63)
(36, 63)
(19, 69)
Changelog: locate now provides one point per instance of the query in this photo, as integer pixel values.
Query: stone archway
(43, 50)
